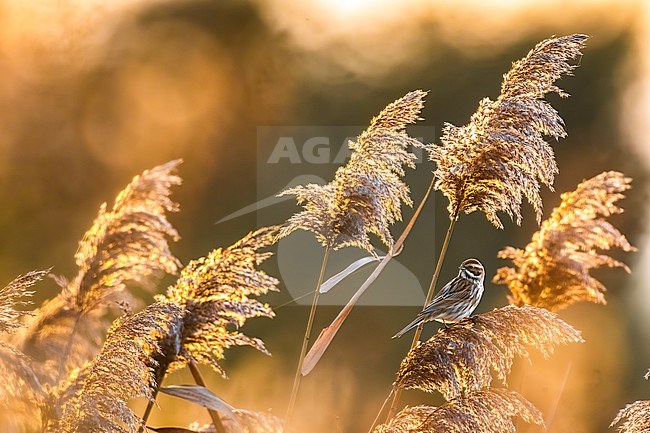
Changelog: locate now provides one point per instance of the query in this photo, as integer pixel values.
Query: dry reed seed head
(195, 427)
(367, 193)
(20, 389)
(553, 271)
(486, 411)
(500, 156)
(21, 393)
(128, 243)
(61, 394)
(634, 418)
(49, 333)
(247, 422)
(14, 294)
(254, 422)
(465, 357)
(218, 291)
(126, 368)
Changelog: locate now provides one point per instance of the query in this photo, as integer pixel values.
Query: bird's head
(473, 269)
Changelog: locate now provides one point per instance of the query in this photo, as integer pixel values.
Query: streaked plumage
(457, 300)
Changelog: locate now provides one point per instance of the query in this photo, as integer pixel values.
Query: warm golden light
(93, 92)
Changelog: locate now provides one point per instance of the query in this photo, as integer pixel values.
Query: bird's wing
(446, 297)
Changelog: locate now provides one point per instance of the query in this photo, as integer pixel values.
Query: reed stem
(397, 391)
(305, 341)
(198, 378)
(374, 423)
(159, 379)
(328, 334)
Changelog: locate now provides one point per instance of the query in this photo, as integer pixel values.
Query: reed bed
(76, 362)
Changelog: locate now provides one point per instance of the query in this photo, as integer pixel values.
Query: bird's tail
(408, 327)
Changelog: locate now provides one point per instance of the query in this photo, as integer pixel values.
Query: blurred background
(94, 92)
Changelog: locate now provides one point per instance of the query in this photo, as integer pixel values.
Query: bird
(457, 299)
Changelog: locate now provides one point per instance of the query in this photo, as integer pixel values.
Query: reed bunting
(457, 300)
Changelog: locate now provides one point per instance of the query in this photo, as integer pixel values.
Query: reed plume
(124, 369)
(20, 388)
(635, 417)
(464, 357)
(500, 156)
(367, 193)
(247, 422)
(126, 244)
(188, 323)
(365, 197)
(553, 271)
(16, 294)
(218, 291)
(259, 422)
(487, 411)
(461, 362)
(59, 396)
